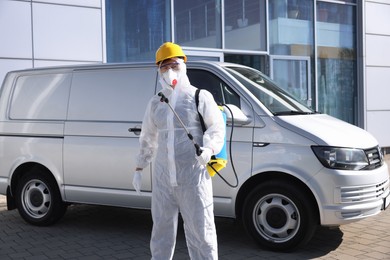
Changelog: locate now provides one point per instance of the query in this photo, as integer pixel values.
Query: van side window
(119, 95)
(40, 97)
(222, 93)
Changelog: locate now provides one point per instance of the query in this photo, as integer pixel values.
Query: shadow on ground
(101, 232)
(129, 227)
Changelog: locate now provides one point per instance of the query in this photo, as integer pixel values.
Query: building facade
(330, 54)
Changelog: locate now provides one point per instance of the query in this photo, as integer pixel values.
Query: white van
(70, 135)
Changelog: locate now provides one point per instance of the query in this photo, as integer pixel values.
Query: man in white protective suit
(180, 181)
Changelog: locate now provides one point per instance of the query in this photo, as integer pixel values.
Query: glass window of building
(245, 26)
(294, 76)
(336, 60)
(291, 33)
(291, 27)
(135, 29)
(198, 23)
(292, 47)
(258, 62)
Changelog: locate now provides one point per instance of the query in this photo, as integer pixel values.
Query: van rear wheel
(279, 216)
(38, 199)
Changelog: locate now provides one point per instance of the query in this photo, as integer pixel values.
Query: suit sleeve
(148, 138)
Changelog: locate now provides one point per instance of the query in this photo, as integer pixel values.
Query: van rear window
(40, 97)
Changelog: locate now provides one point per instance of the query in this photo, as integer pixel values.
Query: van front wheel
(279, 216)
(38, 199)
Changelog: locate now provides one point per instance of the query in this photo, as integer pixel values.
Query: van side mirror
(239, 117)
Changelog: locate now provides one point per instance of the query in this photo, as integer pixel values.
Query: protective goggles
(172, 65)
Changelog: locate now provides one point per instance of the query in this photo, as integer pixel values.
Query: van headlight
(341, 158)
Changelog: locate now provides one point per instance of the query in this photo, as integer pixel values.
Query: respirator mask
(170, 73)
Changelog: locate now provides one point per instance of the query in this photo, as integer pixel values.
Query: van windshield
(277, 100)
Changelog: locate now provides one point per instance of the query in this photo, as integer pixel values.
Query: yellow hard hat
(169, 50)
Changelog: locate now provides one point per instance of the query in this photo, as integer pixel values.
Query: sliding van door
(99, 150)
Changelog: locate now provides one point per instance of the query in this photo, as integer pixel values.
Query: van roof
(64, 68)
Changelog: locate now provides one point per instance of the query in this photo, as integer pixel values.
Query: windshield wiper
(293, 112)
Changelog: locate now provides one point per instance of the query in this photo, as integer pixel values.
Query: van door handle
(136, 130)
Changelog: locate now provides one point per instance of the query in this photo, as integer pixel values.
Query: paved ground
(92, 232)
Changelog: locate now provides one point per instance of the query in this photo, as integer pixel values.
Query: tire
(279, 216)
(38, 199)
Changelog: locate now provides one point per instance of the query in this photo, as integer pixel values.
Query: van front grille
(363, 193)
(375, 158)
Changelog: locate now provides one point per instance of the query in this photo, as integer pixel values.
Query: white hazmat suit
(179, 182)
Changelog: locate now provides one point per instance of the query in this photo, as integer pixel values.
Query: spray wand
(197, 147)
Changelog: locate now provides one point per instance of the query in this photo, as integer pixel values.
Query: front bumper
(349, 196)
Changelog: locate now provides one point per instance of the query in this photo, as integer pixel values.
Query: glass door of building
(292, 73)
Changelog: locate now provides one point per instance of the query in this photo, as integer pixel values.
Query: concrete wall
(377, 69)
(49, 32)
